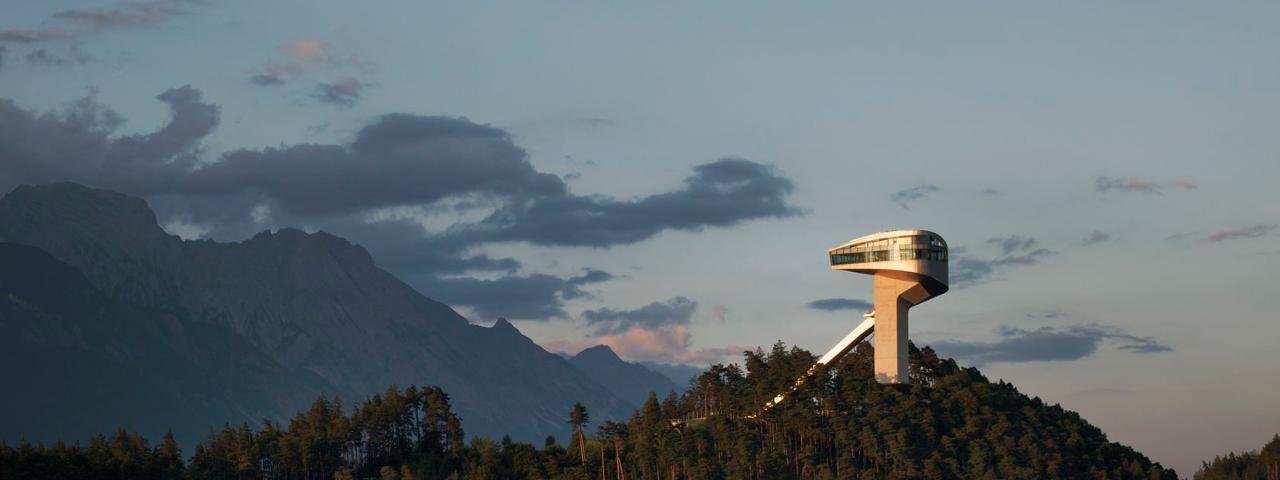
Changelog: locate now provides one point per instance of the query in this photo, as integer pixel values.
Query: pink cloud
(719, 312)
(1239, 233)
(668, 344)
(1185, 184)
(304, 54)
(304, 50)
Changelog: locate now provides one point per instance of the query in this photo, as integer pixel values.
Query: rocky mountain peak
(598, 353)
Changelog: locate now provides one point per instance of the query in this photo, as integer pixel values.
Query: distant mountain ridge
(80, 361)
(630, 381)
(311, 312)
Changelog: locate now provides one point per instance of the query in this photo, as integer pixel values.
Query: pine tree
(578, 417)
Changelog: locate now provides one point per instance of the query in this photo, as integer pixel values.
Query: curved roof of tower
(883, 234)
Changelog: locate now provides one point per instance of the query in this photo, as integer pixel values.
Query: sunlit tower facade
(907, 267)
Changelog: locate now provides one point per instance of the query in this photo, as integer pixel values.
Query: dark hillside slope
(951, 422)
(76, 361)
(309, 308)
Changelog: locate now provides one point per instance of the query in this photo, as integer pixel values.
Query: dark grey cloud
(399, 159)
(676, 311)
(127, 15)
(73, 23)
(425, 164)
(1253, 231)
(1094, 238)
(573, 284)
(1048, 344)
(344, 93)
(42, 56)
(834, 304)
(904, 197)
(46, 57)
(1107, 184)
(17, 35)
(722, 193)
(76, 144)
(969, 269)
(3, 51)
(266, 79)
(531, 297)
(1027, 258)
(966, 271)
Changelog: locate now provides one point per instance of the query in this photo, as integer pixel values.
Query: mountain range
(628, 380)
(105, 319)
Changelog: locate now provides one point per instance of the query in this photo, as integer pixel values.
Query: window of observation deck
(910, 247)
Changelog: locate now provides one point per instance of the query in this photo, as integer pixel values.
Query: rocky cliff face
(308, 313)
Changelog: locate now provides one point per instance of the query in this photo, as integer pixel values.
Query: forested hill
(1260, 465)
(951, 423)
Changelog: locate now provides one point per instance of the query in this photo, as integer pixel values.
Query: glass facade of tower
(907, 247)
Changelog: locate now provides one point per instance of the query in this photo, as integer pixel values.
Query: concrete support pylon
(894, 293)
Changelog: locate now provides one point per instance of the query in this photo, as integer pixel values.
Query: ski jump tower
(907, 267)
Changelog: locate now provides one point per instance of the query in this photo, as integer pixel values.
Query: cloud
(344, 93)
(1094, 238)
(266, 79)
(1254, 231)
(531, 297)
(654, 316)
(431, 167)
(720, 313)
(74, 23)
(721, 193)
(304, 50)
(3, 51)
(1028, 258)
(1012, 243)
(45, 57)
(42, 56)
(589, 276)
(1015, 250)
(31, 36)
(671, 345)
(836, 304)
(1106, 184)
(306, 54)
(399, 159)
(1185, 184)
(658, 331)
(905, 197)
(1048, 344)
(128, 15)
(184, 229)
(76, 144)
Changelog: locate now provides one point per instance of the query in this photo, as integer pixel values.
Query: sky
(665, 178)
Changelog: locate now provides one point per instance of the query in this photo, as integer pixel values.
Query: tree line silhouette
(949, 423)
(1260, 465)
